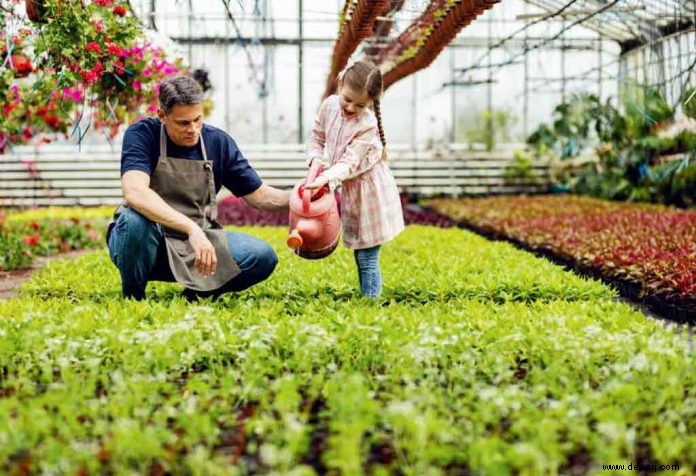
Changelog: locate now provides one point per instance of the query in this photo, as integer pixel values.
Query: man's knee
(135, 224)
(267, 260)
(133, 237)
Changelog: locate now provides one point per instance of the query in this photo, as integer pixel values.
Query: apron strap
(211, 181)
(163, 143)
(211, 187)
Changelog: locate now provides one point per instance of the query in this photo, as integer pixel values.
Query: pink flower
(137, 85)
(104, 3)
(74, 94)
(147, 72)
(152, 108)
(15, 91)
(99, 26)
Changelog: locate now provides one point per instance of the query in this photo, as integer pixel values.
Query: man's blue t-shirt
(141, 151)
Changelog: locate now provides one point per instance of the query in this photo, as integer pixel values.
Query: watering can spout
(294, 239)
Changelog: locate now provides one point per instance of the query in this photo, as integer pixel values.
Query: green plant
(493, 362)
(13, 253)
(487, 127)
(688, 102)
(521, 170)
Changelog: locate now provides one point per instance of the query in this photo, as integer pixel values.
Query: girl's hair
(366, 76)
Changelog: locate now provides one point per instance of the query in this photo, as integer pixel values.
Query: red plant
(32, 240)
(650, 245)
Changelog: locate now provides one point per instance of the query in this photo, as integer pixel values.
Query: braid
(366, 76)
(382, 139)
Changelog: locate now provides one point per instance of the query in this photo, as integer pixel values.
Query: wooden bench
(59, 174)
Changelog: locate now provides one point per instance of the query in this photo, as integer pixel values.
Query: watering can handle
(314, 171)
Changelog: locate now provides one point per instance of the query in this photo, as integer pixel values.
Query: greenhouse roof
(630, 22)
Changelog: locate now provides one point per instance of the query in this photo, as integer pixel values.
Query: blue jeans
(369, 274)
(137, 248)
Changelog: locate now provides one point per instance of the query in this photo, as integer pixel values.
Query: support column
(300, 78)
(453, 98)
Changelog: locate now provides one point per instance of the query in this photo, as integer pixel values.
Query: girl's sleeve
(315, 148)
(357, 156)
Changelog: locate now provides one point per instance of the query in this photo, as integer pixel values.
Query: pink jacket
(351, 150)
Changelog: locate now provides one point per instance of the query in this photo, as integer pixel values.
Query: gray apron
(188, 186)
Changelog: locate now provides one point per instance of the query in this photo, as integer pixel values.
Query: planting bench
(59, 174)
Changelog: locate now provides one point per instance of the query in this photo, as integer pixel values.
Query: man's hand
(317, 185)
(206, 259)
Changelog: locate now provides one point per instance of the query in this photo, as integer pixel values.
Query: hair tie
(343, 72)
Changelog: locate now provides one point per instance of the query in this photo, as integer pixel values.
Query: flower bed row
(25, 236)
(651, 248)
(481, 359)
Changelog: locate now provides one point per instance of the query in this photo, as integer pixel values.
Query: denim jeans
(137, 248)
(369, 274)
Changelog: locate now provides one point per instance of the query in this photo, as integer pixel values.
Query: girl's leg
(369, 273)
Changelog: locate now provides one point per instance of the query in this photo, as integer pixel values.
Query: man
(171, 170)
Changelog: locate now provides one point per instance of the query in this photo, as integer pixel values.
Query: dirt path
(11, 281)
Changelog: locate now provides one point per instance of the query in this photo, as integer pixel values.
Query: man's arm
(269, 198)
(140, 197)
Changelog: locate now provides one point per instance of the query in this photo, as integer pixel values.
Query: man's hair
(179, 90)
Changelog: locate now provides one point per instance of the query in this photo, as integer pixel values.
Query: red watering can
(315, 225)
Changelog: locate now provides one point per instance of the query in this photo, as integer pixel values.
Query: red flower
(119, 10)
(52, 121)
(32, 240)
(93, 46)
(114, 49)
(21, 66)
(104, 3)
(35, 225)
(88, 76)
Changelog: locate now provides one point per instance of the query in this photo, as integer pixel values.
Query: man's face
(183, 123)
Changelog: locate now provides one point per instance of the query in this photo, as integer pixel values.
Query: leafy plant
(651, 246)
(688, 102)
(494, 362)
(520, 170)
(488, 128)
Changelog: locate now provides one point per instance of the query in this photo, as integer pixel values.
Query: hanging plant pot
(21, 66)
(36, 11)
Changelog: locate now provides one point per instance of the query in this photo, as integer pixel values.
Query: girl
(348, 139)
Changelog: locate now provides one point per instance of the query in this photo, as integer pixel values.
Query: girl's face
(353, 102)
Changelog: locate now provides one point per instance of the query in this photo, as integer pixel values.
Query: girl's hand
(317, 185)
